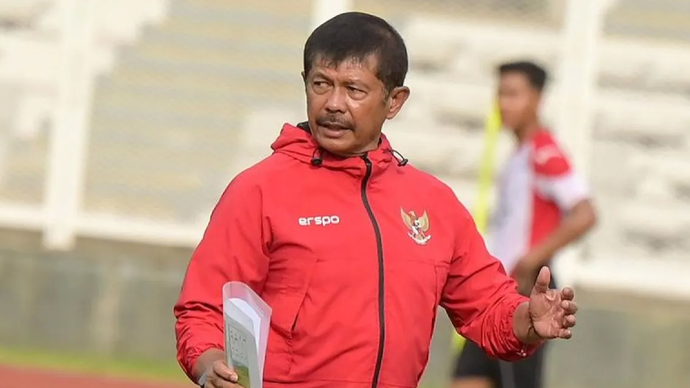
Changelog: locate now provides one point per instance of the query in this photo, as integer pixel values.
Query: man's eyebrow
(357, 82)
(319, 73)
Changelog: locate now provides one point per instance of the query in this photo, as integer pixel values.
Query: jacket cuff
(517, 349)
(189, 360)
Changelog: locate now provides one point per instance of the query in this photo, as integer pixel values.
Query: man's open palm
(552, 311)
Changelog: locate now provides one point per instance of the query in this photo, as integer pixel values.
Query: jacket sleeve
(233, 248)
(479, 297)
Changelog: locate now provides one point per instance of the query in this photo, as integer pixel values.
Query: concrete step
(23, 188)
(527, 12)
(127, 93)
(651, 20)
(607, 157)
(124, 105)
(636, 117)
(656, 227)
(170, 140)
(153, 202)
(205, 69)
(131, 206)
(465, 104)
(475, 48)
(220, 81)
(28, 155)
(165, 110)
(230, 44)
(22, 193)
(650, 68)
(672, 166)
(173, 98)
(23, 180)
(110, 183)
(258, 13)
(457, 154)
(213, 31)
(226, 54)
(180, 197)
(122, 157)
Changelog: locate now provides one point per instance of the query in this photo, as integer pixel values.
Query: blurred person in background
(543, 205)
(351, 246)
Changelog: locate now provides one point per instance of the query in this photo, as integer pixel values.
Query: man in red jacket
(352, 247)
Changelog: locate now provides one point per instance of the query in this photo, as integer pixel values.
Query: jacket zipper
(379, 251)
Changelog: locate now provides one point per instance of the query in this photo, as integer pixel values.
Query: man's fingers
(569, 307)
(223, 371)
(569, 321)
(223, 384)
(565, 334)
(567, 293)
(543, 280)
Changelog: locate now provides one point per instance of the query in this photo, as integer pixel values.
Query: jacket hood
(297, 142)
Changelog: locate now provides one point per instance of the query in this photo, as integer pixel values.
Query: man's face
(517, 100)
(347, 105)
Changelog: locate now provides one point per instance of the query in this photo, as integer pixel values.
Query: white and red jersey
(536, 186)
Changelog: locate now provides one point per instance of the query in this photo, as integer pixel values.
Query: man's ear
(396, 100)
(304, 76)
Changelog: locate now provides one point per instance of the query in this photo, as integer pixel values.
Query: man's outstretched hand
(552, 312)
(549, 313)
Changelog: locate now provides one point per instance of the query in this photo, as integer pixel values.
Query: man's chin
(338, 149)
(341, 147)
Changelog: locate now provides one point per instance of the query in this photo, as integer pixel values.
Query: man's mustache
(334, 121)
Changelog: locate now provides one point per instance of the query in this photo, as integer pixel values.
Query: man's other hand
(552, 312)
(220, 375)
(217, 374)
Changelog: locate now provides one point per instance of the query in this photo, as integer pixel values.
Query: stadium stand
(640, 142)
(177, 98)
(29, 73)
(189, 92)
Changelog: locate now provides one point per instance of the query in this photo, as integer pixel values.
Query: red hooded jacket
(353, 255)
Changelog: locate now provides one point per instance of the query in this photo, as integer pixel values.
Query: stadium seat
(22, 14)
(465, 189)
(448, 101)
(122, 21)
(477, 48)
(259, 130)
(662, 222)
(25, 62)
(188, 93)
(181, 95)
(607, 157)
(627, 113)
(672, 166)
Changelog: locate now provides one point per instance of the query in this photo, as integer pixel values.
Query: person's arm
(233, 248)
(482, 301)
(557, 181)
(576, 223)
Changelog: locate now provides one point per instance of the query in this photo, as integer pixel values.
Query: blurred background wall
(122, 122)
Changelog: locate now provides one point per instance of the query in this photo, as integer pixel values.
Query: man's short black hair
(357, 35)
(536, 75)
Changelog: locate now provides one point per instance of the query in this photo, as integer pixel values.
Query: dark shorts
(473, 362)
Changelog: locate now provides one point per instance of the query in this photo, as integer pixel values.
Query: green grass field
(93, 364)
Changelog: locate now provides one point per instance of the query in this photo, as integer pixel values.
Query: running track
(12, 377)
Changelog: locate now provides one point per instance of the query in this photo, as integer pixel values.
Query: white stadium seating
(188, 93)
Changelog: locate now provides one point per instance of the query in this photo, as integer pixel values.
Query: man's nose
(336, 100)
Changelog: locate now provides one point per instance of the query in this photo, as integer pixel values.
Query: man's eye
(354, 89)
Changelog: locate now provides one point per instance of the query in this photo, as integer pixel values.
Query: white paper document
(247, 324)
